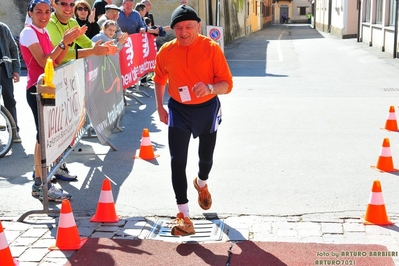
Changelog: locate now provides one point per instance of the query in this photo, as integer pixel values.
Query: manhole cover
(205, 230)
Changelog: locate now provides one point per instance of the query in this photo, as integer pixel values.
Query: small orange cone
(146, 151)
(105, 212)
(67, 232)
(6, 258)
(376, 213)
(385, 162)
(391, 123)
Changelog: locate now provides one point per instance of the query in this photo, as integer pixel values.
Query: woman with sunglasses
(36, 48)
(85, 16)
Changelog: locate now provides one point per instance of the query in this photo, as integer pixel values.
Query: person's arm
(58, 52)
(159, 94)
(108, 48)
(56, 38)
(13, 49)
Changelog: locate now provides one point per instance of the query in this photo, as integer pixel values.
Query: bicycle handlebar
(6, 59)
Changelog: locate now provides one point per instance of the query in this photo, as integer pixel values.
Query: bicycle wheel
(7, 131)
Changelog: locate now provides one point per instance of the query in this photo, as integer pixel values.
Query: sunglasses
(81, 8)
(64, 4)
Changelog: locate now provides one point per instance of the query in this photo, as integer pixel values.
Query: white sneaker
(63, 174)
(55, 194)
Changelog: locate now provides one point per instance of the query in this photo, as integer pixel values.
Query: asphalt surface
(299, 133)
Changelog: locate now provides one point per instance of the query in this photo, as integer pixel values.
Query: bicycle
(8, 129)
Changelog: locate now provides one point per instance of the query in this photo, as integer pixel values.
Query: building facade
(378, 24)
(338, 17)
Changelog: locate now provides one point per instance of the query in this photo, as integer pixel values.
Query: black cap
(182, 13)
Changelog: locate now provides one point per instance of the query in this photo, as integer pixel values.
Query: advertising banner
(137, 58)
(62, 121)
(104, 94)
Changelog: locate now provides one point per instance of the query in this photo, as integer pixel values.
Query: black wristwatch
(61, 45)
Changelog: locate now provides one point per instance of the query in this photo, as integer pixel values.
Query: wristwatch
(210, 87)
(61, 45)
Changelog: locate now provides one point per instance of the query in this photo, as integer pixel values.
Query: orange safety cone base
(78, 246)
(382, 171)
(396, 130)
(148, 159)
(370, 223)
(105, 213)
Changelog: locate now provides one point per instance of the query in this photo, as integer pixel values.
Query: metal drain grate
(205, 230)
(390, 89)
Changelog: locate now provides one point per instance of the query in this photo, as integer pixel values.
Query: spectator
(184, 2)
(99, 7)
(130, 20)
(143, 9)
(84, 16)
(108, 34)
(111, 13)
(149, 15)
(60, 22)
(36, 48)
(194, 106)
(9, 73)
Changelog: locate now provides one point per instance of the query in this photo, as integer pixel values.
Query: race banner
(137, 57)
(104, 94)
(62, 121)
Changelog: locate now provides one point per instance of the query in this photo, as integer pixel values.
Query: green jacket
(56, 31)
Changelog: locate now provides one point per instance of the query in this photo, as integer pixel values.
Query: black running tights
(178, 147)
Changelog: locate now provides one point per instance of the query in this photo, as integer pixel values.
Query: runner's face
(187, 31)
(40, 15)
(64, 10)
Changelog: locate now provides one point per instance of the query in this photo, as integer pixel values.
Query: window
(302, 11)
(378, 12)
(391, 12)
(367, 7)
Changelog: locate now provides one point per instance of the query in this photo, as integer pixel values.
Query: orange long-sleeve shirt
(202, 61)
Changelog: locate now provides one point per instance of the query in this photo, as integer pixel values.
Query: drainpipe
(218, 13)
(359, 7)
(395, 37)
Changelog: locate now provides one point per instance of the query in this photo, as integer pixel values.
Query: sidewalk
(29, 241)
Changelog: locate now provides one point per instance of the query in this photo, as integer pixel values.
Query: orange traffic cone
(146, 151)
(391, 123)
(385, 162)
(105, 208)
(6, 258)
(67, 232)
(376, 213)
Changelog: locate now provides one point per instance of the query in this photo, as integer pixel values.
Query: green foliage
(239, 4)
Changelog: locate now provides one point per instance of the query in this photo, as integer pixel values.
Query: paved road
(300, 131)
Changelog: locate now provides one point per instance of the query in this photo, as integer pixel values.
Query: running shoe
(36, 190)
(204, 197)
(63, 173)
(55, 194)
(17, 138)
(182, 226)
